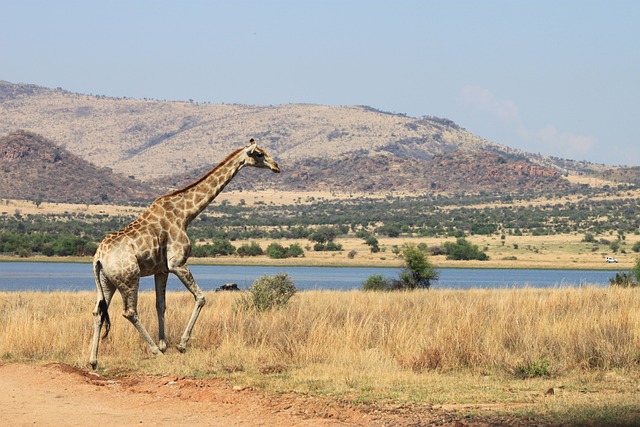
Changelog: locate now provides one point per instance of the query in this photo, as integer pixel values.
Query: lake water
(43, 276)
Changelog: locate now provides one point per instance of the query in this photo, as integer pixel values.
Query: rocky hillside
(451, 172)
(344, 149)
(34, 168)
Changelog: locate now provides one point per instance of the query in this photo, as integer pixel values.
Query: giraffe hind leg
(100, 313)
(130, 299)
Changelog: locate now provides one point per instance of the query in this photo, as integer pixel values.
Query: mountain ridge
(339, 148)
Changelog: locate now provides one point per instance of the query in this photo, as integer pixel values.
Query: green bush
(627, 280)
(417, 273)
(276, 250)
(268, 293)
(532, 369)
(252, 249)
(329, 246)
(373, 243)
(462, 249)
(295, 251)
(636, 246)
(624, 280)
(216, 248)
(324, 234)
(389, 230)
(376, 283)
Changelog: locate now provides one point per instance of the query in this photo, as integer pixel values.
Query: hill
(34, 168)
(450, 172)
(346, 148)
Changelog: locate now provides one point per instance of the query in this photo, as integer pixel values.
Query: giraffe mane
(193, 184)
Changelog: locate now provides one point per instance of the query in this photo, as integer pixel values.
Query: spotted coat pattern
(156, 243)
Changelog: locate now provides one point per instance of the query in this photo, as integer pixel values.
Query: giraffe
(156, 243)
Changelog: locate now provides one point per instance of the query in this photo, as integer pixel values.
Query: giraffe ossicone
(156, 243)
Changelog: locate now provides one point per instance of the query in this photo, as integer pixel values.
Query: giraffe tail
(103, 310)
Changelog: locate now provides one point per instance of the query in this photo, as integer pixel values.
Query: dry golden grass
(26, 207)
(445, 347)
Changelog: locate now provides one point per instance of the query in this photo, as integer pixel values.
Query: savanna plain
(529, 356)
(561, 356)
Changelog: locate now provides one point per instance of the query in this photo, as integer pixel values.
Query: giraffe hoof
(181, 348)
(162, 346)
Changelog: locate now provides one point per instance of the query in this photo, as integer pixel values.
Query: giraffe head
(257, 157)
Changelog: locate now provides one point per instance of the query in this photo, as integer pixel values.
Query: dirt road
(60, 395)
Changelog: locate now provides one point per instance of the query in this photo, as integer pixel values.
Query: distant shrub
(376, 283)
(462, 249)
(252, 249)
(636, 246)
(295, 251)
(437, 250)
(329, 246)
(373, 244)
(417, 273)
(614, 246)
(624, 280)
(389, 230)
(217, 248)
(276, 251)
(268, 293)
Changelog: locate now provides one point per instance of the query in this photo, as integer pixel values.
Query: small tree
(373, 243)
(324, 234)
(418, 271)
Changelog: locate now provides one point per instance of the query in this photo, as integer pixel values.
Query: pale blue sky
(556, 77)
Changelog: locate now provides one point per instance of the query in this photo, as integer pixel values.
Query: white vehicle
(609, 259)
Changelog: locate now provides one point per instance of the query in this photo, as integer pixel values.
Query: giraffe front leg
(185, 276)
(161, 287)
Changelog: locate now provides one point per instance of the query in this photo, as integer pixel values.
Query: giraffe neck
(194, 198)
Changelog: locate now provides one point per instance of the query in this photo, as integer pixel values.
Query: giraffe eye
(259, 155)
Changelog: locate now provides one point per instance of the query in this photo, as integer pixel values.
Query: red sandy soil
(61, 395)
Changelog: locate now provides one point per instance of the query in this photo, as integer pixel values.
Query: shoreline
(263, 261)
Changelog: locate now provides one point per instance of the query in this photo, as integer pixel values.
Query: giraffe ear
(252, 146)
